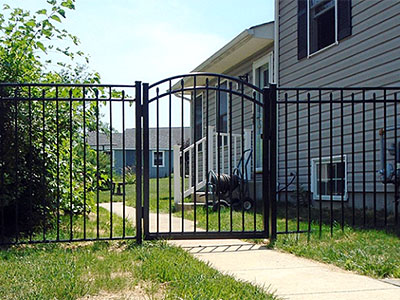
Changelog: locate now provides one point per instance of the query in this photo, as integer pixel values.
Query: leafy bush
(42, 142)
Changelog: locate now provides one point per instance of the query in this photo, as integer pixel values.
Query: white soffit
(246, 44)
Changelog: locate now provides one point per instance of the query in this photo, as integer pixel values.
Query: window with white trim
(262, 77)
(158, 158)
(322, 23)
(329, 178)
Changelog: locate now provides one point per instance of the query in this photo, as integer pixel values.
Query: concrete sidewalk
(289, 276)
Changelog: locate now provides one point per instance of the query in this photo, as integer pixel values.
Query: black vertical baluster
(396, 190)
(158, 157)
(84, 161)
(123, 166)
(297, 161)
(170, 157)
(331, 158)
(242, 194)
(374, 158)
(16, 165)
(97, 167)
(364, 159)
(309, 161)
(353, 169)
(70, 167)
(30, 155)
(255, 156)
(385, 135)
(286, 165)
(58, 163)
(219, 150)
(320, 162)
(231, 154)
(183, 156)
(341, 159)
(44, 162)
(207, 151)
(111, 164)
(266, 197)
(194, 167)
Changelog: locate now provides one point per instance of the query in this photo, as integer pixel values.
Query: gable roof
(130, 138)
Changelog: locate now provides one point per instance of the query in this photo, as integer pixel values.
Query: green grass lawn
(112, 269)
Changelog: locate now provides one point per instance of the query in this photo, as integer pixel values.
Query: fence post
(138, 104)
(265, 163)
(272, 161)
(177, 174)
(146, 160)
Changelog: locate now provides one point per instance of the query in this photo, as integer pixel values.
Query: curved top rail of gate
(209, 77)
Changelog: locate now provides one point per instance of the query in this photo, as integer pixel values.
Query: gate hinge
(142, 212)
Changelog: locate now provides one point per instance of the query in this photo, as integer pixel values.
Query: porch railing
(196, 178)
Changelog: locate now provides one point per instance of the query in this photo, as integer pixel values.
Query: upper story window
(322, 23)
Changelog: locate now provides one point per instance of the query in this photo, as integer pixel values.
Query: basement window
(329, 178)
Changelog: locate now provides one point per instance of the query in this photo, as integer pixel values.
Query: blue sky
(149, 40)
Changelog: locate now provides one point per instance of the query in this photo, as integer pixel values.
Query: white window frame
(266, 59)
(202, 112)
(327, 160)
(308, 31)
(163, 159)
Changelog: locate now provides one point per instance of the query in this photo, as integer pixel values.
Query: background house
(161, 156)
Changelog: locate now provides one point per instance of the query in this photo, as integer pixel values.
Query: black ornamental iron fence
(195, 156)
(338, 158)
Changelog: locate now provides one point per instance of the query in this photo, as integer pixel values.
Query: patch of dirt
(76, 245)
(118, 247)
(143, 291)
(114, 275)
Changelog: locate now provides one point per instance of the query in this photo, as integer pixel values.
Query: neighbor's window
(329, 178)
(322, 23)
(158, 158)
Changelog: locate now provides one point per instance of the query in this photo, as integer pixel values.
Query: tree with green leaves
(42, 143)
